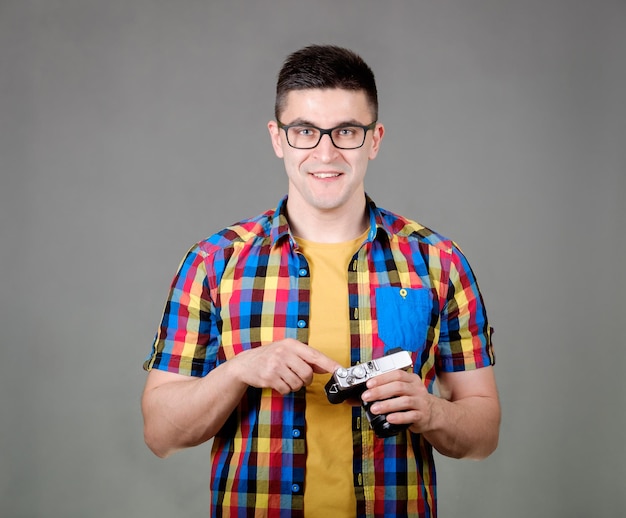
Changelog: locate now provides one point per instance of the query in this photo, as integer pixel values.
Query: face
(326, 178)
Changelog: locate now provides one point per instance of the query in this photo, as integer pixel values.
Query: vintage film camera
(350, 383)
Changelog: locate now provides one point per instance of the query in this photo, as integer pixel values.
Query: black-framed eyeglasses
(345, 136)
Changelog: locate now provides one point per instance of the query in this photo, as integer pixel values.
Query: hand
(403, 397)
(285, 366)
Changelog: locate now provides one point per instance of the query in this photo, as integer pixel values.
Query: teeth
(325, 175)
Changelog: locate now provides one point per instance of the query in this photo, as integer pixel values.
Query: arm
(181, 411)
(463, 423)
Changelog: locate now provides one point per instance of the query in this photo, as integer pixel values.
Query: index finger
(389, 377)
(319, 362)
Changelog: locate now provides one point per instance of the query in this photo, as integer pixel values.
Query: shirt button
(303, 272)
(295, 488)
(295, 433)
(301, 324)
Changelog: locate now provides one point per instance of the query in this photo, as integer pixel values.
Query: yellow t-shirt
(329, 481)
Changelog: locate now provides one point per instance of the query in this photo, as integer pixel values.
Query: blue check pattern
(248, 286)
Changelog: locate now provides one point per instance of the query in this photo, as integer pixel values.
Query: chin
(327, 205)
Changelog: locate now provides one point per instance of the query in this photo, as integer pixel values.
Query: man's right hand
(182, 411)
(285, 366)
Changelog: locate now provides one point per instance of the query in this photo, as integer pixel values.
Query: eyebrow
(306, 122)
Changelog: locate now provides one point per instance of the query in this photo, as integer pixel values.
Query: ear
(377, 136)
(277, 142)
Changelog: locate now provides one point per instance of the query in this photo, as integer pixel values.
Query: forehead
(326, 107)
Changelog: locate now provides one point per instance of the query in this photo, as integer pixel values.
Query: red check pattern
(248, 286)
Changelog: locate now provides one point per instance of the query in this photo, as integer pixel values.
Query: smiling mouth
(326, 175)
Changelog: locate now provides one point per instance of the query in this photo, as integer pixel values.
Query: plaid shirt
(248, 285)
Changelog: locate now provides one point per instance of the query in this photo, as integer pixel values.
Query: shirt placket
(302, 279)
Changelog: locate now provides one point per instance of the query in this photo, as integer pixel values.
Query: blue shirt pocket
(403, 316)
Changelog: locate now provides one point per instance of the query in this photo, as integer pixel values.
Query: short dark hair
(325, 66)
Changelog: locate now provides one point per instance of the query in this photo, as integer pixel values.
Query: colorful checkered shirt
(248, 285)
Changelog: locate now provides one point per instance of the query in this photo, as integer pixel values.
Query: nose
(325, 149)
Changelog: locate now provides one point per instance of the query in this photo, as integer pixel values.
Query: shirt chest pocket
(403, 316)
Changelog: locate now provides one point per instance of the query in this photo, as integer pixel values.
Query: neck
(328, 226)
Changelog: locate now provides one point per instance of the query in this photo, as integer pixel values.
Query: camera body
(350, 383)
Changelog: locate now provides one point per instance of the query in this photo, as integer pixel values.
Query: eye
(346, 132)
(304, 131)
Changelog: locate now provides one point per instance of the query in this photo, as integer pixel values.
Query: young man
(260, 314)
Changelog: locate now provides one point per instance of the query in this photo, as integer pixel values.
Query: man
(260, 314)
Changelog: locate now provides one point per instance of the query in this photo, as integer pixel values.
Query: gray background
(132, 128)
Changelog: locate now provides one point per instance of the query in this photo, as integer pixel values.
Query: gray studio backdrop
(129, 129)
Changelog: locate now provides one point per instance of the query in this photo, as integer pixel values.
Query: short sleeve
(465, 336)
(186, 340)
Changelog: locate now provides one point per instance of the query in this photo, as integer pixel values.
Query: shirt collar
(280, 225)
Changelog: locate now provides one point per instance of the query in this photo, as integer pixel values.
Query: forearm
(186, 411)
(467, 428)
(180, 412)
